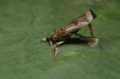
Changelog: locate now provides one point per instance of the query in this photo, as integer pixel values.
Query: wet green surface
(23, 23)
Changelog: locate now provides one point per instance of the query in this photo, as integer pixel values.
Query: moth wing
(81, 21)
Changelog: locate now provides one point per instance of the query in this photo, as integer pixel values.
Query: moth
(60, 36)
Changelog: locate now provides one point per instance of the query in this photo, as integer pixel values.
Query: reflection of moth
(60, 36)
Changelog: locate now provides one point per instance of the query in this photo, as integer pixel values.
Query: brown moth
(60, 36)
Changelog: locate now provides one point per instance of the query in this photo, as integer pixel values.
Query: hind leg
(91, 29)
(92, 41)
(82, 36)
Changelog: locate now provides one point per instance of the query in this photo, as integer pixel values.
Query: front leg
(51, 45)
(56, 49)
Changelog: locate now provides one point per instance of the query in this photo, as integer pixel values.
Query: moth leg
(92, 41)
(51, 45)
(91, 29)
(76, 35)
(82, 36)
(56, 49)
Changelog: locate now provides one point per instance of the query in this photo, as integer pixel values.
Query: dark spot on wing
(93, 14)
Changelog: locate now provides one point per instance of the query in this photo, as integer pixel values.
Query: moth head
(93, 14)
(44, 40)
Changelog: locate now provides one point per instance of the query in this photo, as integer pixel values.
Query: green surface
(23, 23)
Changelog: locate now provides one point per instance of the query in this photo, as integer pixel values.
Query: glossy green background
(23, 23)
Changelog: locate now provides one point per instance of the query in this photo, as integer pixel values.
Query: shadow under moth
(60, 36)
